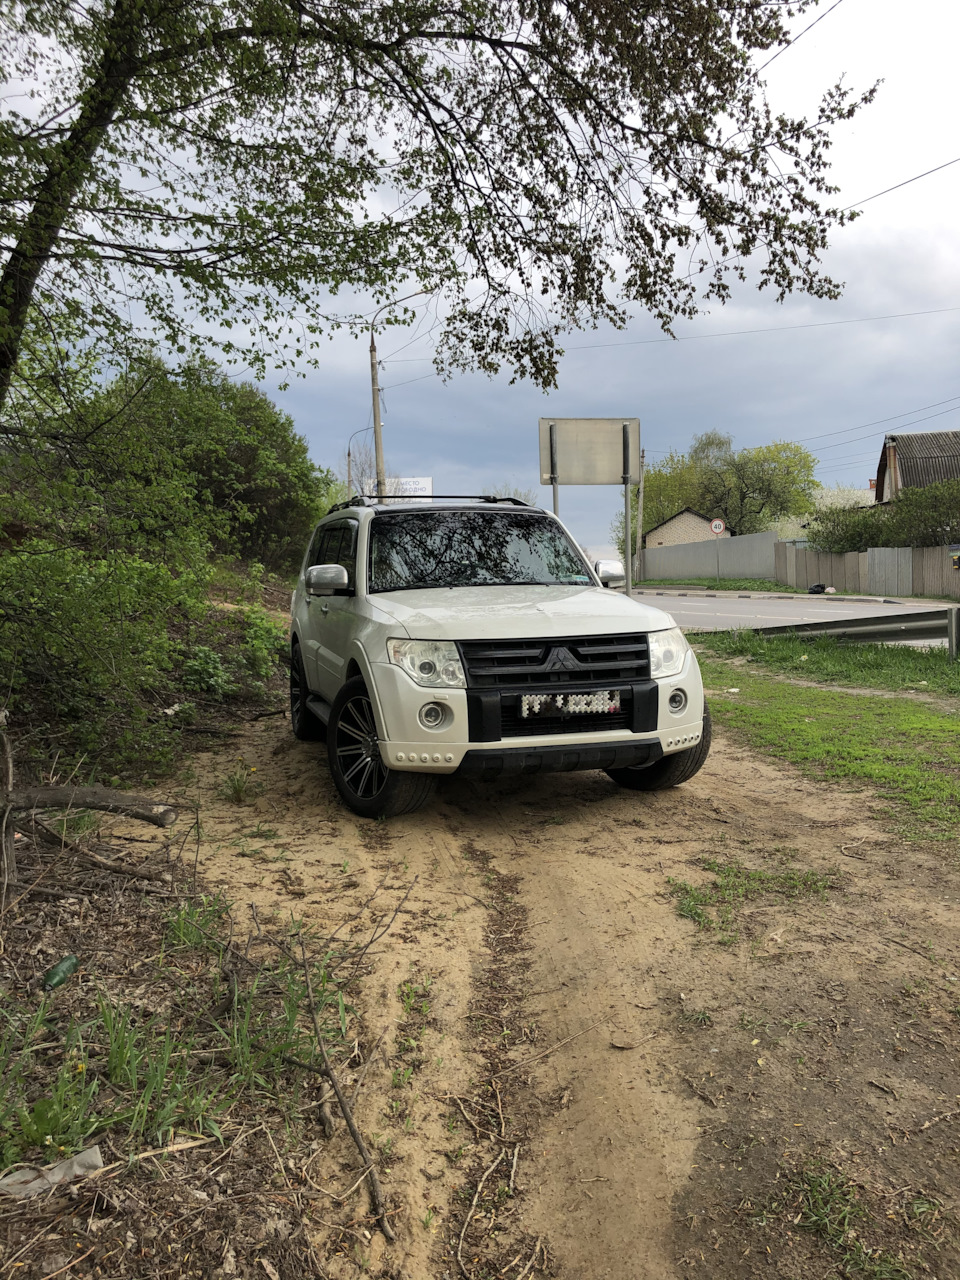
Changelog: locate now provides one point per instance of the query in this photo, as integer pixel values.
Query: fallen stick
(533, 1258)
(72, 1263)
(513, 1171)
(173, 1149)
(100, 798)
(358, 1083)
(376, 1191)
(470, 1213)
(466, 1115)
(924, 955)
(553, 1048)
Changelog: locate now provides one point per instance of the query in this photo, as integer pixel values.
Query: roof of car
(434, 502)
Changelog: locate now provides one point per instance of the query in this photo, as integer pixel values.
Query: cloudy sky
(821, 373)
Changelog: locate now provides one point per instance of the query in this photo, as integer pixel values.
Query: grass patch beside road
(725, 584)
(908, 751)
(869, 666)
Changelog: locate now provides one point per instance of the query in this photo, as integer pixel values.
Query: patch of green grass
(697, 1017)
(197, 922)
(240, 786)
(713, 907)
(868, 666)
(414, 996)
(113, 1069)
(827, 1205)
(908, 751)
(725, 584)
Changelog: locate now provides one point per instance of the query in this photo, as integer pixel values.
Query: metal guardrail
(930, 624)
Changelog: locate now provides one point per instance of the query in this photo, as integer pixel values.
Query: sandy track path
(635, 1159)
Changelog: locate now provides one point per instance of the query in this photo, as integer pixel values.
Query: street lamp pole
(375, 389)
(349, 458)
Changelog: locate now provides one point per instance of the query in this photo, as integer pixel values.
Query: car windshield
(447, 548)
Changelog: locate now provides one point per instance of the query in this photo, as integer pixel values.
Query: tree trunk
(67, 167)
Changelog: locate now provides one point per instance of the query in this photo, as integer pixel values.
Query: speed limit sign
(717, 527)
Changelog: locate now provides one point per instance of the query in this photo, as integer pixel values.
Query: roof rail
(372, 500)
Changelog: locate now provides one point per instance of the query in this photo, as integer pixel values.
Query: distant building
(686, 526)
(914, 461)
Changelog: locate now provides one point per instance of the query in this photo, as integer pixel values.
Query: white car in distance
(471, 636)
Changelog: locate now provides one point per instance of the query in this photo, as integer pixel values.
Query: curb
(763, 595)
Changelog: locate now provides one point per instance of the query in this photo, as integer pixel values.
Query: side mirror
(611, 573)
(325, 579)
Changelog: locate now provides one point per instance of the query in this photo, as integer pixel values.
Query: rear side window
(336, 544)
(329, 544)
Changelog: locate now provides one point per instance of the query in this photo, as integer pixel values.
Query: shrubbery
(112, 500)
(928, 517)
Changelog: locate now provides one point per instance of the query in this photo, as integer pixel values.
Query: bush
(112, 496)
(927, 517)
(86, 652)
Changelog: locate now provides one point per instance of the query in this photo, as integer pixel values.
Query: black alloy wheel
(365, 783)
(357, 748)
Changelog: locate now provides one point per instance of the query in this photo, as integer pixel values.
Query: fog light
(432, 715)
(677, 700)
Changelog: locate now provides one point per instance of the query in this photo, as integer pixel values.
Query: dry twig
(376, 1192)
(553, 1048)
(471, 1211)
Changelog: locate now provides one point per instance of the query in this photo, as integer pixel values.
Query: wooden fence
(881, 571)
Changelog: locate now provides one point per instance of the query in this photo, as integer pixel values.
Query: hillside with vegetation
(127, 499)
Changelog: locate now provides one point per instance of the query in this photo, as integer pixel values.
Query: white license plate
(569, 704)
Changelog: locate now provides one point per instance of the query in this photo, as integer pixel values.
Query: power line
(422, 378)
(841, 443)
(905, 183)
(797, 37)
(878, 422)
(778, 328)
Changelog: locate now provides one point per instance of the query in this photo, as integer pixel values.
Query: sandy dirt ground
(560, 1073)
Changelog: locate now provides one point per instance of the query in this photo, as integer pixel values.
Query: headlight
(433, 663)
(667, 652)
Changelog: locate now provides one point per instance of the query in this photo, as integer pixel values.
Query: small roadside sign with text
(717, 527)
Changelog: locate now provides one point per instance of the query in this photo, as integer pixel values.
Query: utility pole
(375, 389)
(377, 425)
(638, 556)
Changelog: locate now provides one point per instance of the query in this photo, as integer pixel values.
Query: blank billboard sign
(589, 450)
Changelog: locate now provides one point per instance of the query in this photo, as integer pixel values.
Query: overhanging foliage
(229, 167)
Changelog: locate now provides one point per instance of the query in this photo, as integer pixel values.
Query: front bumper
(474, 739)
(511, 762)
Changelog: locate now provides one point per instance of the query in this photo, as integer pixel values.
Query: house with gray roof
(911, 461)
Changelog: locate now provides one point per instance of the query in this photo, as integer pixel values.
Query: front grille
(584, 660)
(493, 715)
(513, 725)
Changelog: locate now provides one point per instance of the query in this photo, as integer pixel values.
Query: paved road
(725, 611)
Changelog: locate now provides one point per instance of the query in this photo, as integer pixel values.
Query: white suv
(471, 636)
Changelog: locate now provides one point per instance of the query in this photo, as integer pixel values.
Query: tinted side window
(329, 544)
(348, 551)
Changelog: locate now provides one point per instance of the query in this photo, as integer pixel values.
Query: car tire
(303, 722)
(365, 784)
(671, 770)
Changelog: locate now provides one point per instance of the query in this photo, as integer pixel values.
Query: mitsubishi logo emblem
(561, 660)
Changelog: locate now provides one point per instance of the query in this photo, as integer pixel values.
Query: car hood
(500, 613)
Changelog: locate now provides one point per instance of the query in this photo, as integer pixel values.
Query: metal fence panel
(751, 556)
